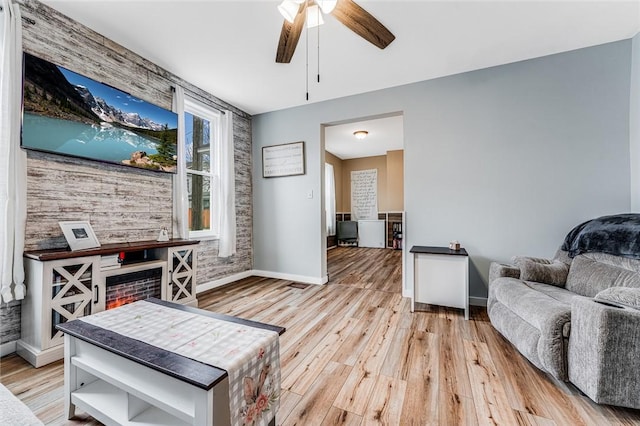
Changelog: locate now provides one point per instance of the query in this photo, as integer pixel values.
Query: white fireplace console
(64, 285)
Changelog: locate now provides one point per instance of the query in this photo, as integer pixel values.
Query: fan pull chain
(318, 11)
(307, 53)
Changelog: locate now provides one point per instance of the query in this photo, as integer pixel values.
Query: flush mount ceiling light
(360, 134)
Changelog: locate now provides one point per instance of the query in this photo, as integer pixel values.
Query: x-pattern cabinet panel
(182, 267)
(70, 285)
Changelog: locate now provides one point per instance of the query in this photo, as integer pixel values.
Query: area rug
(14, 412)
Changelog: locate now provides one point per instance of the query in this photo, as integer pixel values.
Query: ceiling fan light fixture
(314, 17)
(288, 9)
(360, 134)
(327, 6)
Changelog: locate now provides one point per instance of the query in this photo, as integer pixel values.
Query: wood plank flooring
(354, 354)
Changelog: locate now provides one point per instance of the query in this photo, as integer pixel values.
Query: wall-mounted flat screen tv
(69, 114)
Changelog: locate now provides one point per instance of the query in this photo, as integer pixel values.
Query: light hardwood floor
(354, 354)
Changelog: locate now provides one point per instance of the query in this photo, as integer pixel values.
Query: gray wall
(122, 204)
(634, 123)
(506, 160)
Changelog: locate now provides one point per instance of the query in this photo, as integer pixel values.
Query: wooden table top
(105, 249)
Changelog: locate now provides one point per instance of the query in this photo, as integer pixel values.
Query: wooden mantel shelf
(105, 249)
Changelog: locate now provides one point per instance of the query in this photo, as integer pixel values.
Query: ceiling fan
(354, 17)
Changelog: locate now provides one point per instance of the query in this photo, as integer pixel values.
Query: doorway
(363, 188)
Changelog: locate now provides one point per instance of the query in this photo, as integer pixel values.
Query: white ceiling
(385, 134)
(228, 47)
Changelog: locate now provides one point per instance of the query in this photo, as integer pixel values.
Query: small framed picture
(79, 235)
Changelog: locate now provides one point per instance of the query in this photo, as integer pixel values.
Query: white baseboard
(473, 301)
(259, 273)
(7, 348)
(37, 357)
(224, 281)
(477, 301)
(291, 277)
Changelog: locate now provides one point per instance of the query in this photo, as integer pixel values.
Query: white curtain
(330, 198)
(227, 243)
(13, 161)
(180, 194)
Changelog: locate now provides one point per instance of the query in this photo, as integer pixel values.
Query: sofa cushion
(542, 312)
(554, 273)
(590, 273)
(521, 334)
(623, 296)
(530, 304)
(558, 293)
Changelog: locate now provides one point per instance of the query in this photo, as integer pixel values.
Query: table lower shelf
(111, 405)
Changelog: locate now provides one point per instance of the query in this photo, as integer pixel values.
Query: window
(202, 136)
(330, 198)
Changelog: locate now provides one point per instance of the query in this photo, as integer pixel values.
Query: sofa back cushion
(590, 273)
(554, 273)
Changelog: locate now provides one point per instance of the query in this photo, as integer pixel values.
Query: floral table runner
(250, 355)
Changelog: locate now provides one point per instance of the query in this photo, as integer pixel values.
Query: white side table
(441, 277)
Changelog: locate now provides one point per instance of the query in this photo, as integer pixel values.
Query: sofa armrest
(621, 296)
(499, 270)
(517, 259)
(604, 352)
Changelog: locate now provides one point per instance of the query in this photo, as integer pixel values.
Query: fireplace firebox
(128, 288)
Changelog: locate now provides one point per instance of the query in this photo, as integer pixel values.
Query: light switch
(310, 194)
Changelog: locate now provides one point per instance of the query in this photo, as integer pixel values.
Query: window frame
(212, 115)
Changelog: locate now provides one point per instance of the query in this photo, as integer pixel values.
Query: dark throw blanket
(618, 235)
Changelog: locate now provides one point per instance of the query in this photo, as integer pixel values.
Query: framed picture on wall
(283, 160)
(79, 235)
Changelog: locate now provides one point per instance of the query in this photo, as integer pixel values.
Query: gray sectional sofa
(576, 318)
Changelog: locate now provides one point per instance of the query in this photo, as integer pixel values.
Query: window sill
(204, 237)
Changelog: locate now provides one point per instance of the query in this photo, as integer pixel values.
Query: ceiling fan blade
(290, 35)
(362, 23)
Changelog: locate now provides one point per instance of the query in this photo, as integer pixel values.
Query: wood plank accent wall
(122, 204)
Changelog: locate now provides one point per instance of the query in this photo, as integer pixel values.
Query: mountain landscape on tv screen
(96, 128)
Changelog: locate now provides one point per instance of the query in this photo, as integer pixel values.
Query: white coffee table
(122, 381)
